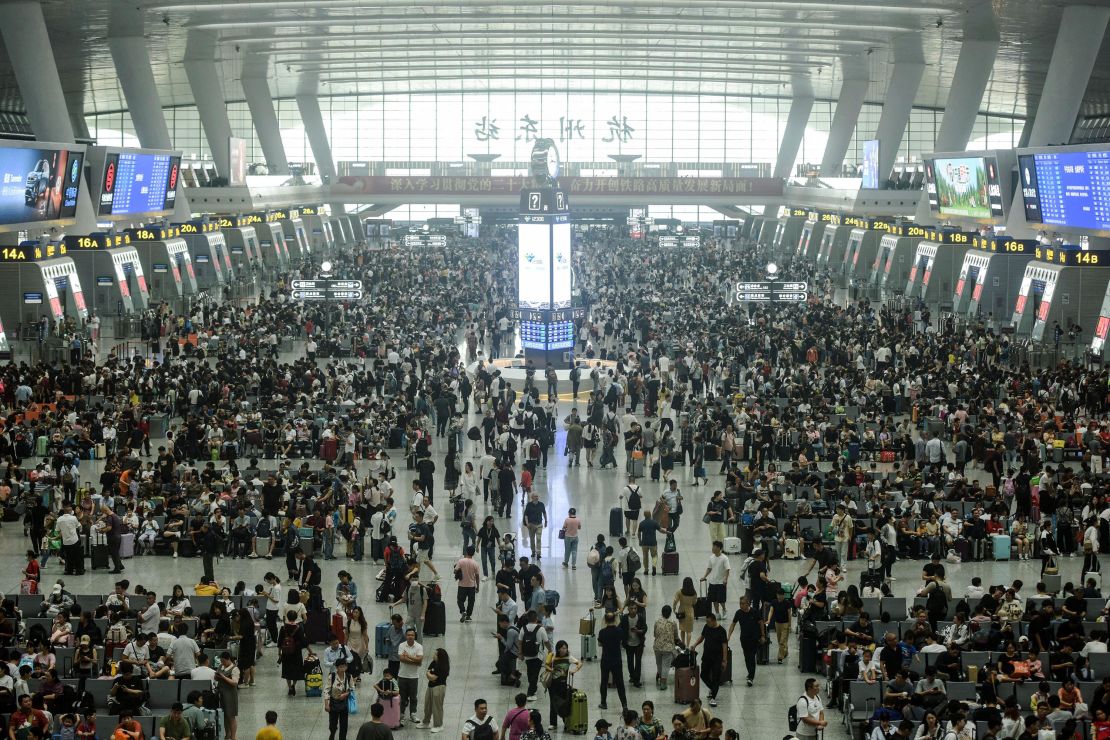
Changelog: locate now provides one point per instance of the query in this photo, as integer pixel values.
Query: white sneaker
(412, 720)
(437, 729)
(420, 725)
(485, 578)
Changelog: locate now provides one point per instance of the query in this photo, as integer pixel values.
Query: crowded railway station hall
(626, 369)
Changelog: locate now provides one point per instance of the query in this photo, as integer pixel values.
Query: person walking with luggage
(753, 635)
(559, 666)
(716, 574)
(648, 532)
(714, 656)
(410, 653)
(610, 641)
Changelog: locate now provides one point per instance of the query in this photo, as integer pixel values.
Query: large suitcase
(338, 627)
(381, 640)
(1001, 546)
(636, 467)
(807, 654)
(317, 626)
(435, 619)
(391, 711)
(578, 720)
(762, 655)
(687, 685)
(655, 470)
(127, 545)
(792, 549)
(702, 607)
(670, 563)
(262, 546)
(732, 546)
(99, 558)
(589, 647)
(328, 449)
(616, 521)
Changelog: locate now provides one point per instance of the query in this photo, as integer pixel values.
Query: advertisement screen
(137, 183)
(533, 269)
(1070, 189)
(965, 187)
(870, 164)
(38, 184)
(561, 277)
(237, 161)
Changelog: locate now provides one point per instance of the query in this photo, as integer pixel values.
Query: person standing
(410, 653)
(535, 519)
(717, 573)
(753, 633)
(466, 573)
(571, 526)
(437, 673)
(811, 711)
(113, 528)
(227, 686)
(69, 529)
(375, 729)
(714, 656)
(336, 694)
(610, 640)
(634, 625)
(209, 543)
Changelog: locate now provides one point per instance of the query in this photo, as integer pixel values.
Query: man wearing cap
(173, 726)
(601, 728)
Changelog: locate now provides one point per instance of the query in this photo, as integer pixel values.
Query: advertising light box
(39, 182)
(561, 277)
(533, 269)
(965, 187)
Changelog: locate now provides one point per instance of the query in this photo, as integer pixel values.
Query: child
(32, 571)
(601, 728)
(388, 692)
(86, 728)
(525, 485)
(68, 730)
(506, 549)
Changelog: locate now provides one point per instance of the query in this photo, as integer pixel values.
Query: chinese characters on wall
(570, 129)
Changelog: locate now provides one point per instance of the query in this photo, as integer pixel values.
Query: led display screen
(38, 184)
(964, 187)
(533, 267)
(870, 164)
(136, 183)
(1067, 188)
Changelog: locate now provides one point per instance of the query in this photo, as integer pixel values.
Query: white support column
(208, 93)
(256, 88)
(853, 91)
(75, 106)
(973, 69)
(901, 90)
(32, 59)
(1082, 28)
(309, 106)
(796, 121)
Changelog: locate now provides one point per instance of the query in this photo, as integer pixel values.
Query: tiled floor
(757, 712)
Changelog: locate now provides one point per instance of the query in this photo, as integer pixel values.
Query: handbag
(706, 518)
(562, 533)
(352, 703)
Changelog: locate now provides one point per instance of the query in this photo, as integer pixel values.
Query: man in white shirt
(150, 615)
(717, 573)
(68, 528)
(203, 671)
(185, 652)
(137, 652)
(811, 712)
(411, 655)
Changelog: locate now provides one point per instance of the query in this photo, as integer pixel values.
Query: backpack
(289, 644)
(396, 560)
(593, 557)
(435, 593)
(792, 720)
(384, 527)
(606, 571)
(632, 561)
(483, 731)
(529, 642)
(551, 597)
(634, 503)
(262, 529)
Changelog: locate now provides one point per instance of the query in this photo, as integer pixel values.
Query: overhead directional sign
(684, 242)
(417, 241)
(326, 290)
(772, 292)
(465, 219)
(640, 221)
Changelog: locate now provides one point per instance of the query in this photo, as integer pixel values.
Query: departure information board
(1067, 188)
(138, 183)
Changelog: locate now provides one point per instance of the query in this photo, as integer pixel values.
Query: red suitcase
(391, 716)
(328, 449)
(338, 625)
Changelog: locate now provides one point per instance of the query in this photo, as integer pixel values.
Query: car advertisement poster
(38, 184)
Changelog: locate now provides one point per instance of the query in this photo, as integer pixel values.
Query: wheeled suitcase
(687, 685)
(99, 557)
(338, 627)
(589, 647)
(317, 626)
(670, 563)
(391, 711)
(636, 467)
(435, 619)
(127, 545)
(733, 546)
(792, 549)
(328, 449)
(262, 546)
(702, 607)
(762, 655)
(616, 521)
(381, 640)
(655, 470)
(726, 674)
(807, 654)
(578, 719)
(313, 681)
(1001, 546)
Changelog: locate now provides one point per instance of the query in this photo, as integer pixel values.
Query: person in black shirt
(506, 578)
(823, 557)
(524, 577)
(862, 630)
(933, 570)
(950, 664)
(715, 655)
(752, 634)
(759, 580)
(610, 640)
(779, 615)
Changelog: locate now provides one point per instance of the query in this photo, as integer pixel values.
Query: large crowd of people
(842, 434)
